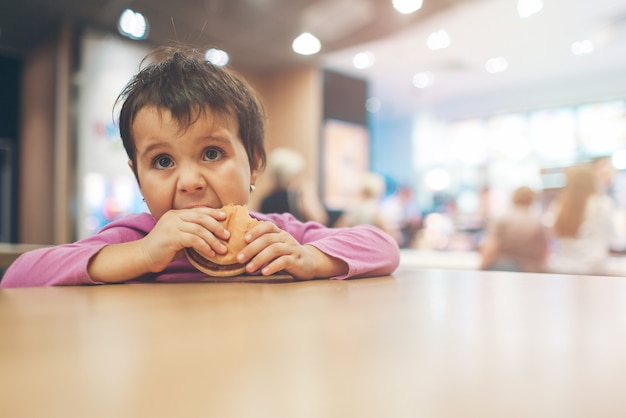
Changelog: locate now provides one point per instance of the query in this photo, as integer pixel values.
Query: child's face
(204, 165)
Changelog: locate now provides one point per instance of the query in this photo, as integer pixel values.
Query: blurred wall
(293, 102)
(392, 146)
(45, 143)
(37, 146)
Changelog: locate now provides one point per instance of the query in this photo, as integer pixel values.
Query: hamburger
(237, 222)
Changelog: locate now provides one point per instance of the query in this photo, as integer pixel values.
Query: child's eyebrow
(218, 138)
(149, 149)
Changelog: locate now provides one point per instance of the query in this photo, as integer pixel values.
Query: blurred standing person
(291, 192)
(604, 173)
(399, 208)
(367, 210)
(582, 226)
(517, 241)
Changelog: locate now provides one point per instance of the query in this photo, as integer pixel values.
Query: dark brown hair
(178, 78)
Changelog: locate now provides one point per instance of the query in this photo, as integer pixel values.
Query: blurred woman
(582, 226)
(517, 241)
(367, 209)
(291, 192)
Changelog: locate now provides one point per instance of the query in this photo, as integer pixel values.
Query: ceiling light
(496, 65)
(363, 60)
(423, 80)
(438, 40)
(407, 6)
(133, 24)
(527, 8)
(582, 47)
(306, 44)
(217, 57)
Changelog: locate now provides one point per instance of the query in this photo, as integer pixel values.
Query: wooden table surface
(420, 343)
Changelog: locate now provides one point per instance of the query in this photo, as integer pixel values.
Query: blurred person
(291, 193)
(604, 174)
(367, 210)
(436, 233)
(582, 226)
(400, 209)
(517, 240)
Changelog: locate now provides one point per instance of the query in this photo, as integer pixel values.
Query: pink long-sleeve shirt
(365, 249)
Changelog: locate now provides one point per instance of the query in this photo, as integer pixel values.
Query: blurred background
(453, 103)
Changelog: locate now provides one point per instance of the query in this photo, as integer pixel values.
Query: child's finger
(208, 219)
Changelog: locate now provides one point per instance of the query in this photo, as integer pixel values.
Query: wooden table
(421, 343)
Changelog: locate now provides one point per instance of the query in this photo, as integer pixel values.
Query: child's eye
(213, 154)
(162, 161)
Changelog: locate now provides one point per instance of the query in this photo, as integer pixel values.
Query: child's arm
(271, 249)
(123, 250)
(310, 250)
(67, 264)
(50, 266)
(118, 263)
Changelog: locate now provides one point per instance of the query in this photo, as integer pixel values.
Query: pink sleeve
(60, 265)
(367, 250)
(67, 264)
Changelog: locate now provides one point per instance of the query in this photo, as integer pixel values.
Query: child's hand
(273, 250)
(198, 228)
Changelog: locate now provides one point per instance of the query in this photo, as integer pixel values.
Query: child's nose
(191, 180)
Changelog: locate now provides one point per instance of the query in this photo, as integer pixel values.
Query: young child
(194, 136)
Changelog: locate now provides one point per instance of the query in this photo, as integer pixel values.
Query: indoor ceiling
(258, 34)
(541, 71)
